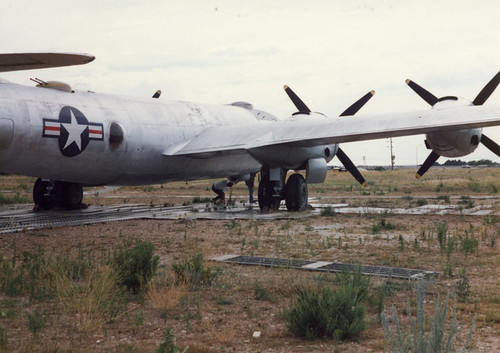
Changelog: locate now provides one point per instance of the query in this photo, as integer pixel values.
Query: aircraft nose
(6, 131)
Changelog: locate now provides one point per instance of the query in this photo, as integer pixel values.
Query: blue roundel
(72, 130)
(74, 137)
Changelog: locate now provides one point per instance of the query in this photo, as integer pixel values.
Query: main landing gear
(273, 189)
(48, 194)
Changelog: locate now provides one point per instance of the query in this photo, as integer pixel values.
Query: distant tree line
(458, 162)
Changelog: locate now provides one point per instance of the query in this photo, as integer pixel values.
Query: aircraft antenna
(38, 81)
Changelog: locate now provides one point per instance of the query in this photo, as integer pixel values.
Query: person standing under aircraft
(250, 185)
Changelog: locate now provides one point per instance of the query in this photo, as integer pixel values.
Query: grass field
(59, 293)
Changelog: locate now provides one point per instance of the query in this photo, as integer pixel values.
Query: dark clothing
(220, 194)
(250, 185)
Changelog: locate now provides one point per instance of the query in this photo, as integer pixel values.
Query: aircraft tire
(296, 193)
(72, 195)
(40, 196)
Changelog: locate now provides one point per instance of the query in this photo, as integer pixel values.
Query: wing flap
(31, 61)
(312, 132)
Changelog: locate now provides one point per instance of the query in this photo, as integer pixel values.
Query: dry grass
(92, 301)
(224, 315)
(165, 297)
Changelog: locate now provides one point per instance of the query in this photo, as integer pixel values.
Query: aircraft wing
(310, 131)
(30, 61)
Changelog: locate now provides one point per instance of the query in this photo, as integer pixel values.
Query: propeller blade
(157, 94)
(350, 167)
(353, 109)
(431, 159)
(487, 90)
(490, 144)
(422, 92)
(299, 104)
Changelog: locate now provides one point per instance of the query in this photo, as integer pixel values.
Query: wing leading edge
(312, 132)
(31, 61)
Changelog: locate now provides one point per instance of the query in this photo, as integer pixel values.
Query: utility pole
(393, 157)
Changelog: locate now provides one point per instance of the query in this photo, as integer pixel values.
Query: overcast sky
(330, 52)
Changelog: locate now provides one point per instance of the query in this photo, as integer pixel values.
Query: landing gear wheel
(41, 194)
(296, 193)
(266, 200)
(48, 194)
(72, 195)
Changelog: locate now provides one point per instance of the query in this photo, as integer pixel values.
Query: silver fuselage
(149, 127)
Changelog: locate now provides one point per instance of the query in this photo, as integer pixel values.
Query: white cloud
(329, 52)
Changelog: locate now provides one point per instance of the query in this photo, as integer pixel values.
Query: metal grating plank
(381, 271)
(267, 261)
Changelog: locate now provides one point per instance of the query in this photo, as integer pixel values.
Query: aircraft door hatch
(115, 135)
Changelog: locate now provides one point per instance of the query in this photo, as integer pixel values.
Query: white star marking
(75, 131)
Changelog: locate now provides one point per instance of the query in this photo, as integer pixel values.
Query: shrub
(199, 199)
(36, 321)
(387, 224)
(95, 300)
(382, 224)
(136, 266)
(469, 244)
(192, 270)
(466, 202)
(3, 339)
(442, 232)
(11, 280)
(421, 202)
(30, 276)
(168, 345)
(336, 313)
(7, 200)
(327, 212)
(445, 198)
(424, 334)
(376, 228)
(463, 286)
(473, 185)
(260, 292)
(492, 188)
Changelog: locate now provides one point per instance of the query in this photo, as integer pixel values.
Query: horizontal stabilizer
(31, 61)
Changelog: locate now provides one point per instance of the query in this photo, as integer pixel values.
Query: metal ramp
(325, 266)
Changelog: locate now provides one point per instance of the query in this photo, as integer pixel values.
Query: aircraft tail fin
(31, 61)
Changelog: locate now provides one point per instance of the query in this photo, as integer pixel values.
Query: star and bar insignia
(73, 131)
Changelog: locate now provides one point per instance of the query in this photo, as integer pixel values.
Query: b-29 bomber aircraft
(70, 139)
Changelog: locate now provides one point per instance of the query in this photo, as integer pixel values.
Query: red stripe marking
(52, 128)
(95, 132)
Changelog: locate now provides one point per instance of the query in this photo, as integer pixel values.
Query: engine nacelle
(456, 143)
(316, 170)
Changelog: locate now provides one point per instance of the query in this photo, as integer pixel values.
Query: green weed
(336, 313)
(168, 345)
(36, 321)
(436, 333)
(463, 287)
(136, 266)
(327, 212)
(192, 270)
